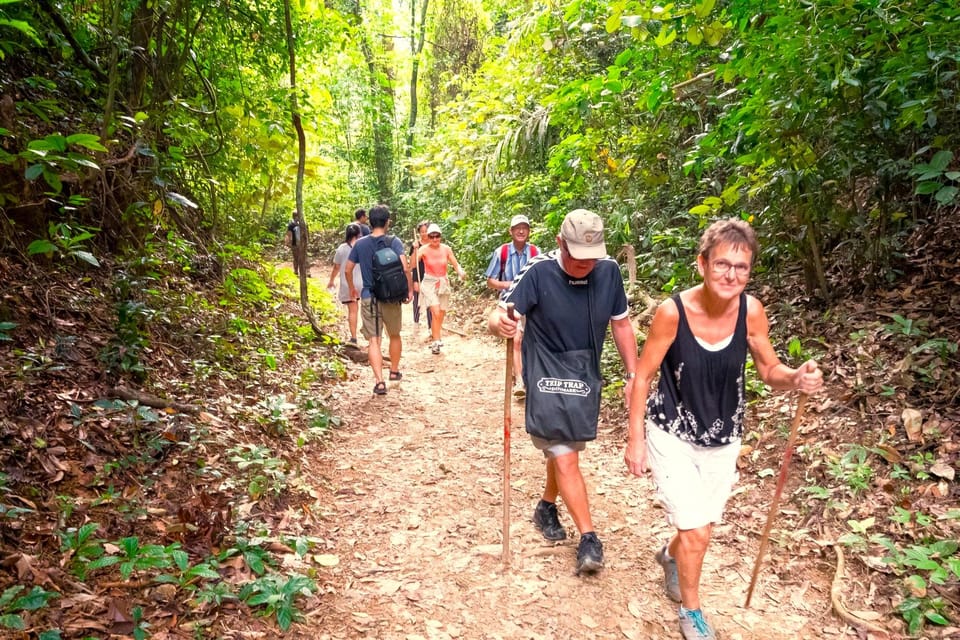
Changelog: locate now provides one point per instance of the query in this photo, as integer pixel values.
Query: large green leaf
(86, 140)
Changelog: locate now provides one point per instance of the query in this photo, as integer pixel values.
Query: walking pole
(507, 387)
(788, 452)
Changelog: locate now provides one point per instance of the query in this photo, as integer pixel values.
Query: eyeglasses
(433, 235)
(722, 267)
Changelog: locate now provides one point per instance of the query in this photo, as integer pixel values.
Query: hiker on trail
(568, 297)
(435, 287)
(416, 268)
(360, 218)
(688, 432)
(377, 314)
(351, 235)
(507, 261)
(292, 238)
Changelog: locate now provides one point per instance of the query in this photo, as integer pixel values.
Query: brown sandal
(380, 388)
(395, 375)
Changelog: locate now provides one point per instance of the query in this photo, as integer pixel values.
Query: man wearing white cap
(507, 261)
(568, 297)
(435, 287)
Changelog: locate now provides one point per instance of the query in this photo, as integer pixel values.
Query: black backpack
(389, 277)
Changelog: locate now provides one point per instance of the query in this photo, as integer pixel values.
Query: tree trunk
(113, 74)
(416, 48)
(300, 249)
(381, 94)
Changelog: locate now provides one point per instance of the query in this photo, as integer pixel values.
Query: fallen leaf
(943, 470)
(326, 559)
(867, 615)
(629, 632)
(889, 453)
(389, 586)
(913, 423)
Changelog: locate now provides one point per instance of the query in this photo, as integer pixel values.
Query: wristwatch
(630, 376)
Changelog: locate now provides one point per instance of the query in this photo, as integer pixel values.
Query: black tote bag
(563, 394)
(563, 389)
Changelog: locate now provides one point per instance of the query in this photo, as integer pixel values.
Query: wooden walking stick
(507, 388)
(788, 452)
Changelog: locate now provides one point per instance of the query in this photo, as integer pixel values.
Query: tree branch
(58, 20)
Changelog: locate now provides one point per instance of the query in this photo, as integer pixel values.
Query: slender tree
(417, 39)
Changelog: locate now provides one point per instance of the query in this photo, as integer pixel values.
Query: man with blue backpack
(507, 261)
(386, 284)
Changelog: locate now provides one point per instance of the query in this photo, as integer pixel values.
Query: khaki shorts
(556, 448)
(379, 315)
(435, 292)
(693, 482)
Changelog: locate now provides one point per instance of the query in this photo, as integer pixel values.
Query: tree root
(835, 590)
(150, 400)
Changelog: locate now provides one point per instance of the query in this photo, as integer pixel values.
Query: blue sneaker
(694, 627)
(671, 579)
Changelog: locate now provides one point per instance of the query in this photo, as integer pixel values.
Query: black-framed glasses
(722, 267)
(433, 235)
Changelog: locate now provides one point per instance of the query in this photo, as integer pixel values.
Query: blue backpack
(389, 277)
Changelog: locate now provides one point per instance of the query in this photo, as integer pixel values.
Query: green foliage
(246, 286)
(265, 473)
(631, 114)
(12, 605)
(919, 565)
(936, 178)
(853, 469)
(66, 240)
(255, 556)
(319, 421)
(51, 157)
(276, 595)
(122, 355)
(273, 413)
(4, 328)
(148, 557)
(917, 611)
(86, 553)
(927, 357)
(140, 626)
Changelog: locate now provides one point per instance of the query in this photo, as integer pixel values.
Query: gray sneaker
(694, 627)
(545, 519)
(671, 579)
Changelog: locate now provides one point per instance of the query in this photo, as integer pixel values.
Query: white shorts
(693, 482)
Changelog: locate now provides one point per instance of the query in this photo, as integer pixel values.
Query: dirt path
(413, 511)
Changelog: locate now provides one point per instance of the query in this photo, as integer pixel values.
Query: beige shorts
(693, 482)
(556, 448)
(435, 292)
(379, 315)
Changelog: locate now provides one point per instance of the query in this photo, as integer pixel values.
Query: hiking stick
(507, 388)
(787, 453)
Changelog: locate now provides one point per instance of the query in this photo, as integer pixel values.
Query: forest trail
(412, 490)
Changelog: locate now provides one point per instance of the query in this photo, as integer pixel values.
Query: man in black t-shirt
(568, 298)
(292, 238)
(360, 217)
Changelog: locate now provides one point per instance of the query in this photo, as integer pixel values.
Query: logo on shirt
(577, 283)
(563, 386)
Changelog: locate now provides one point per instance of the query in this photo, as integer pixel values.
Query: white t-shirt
(340, 258)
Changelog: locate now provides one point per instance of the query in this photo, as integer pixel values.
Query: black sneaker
(546, 520)
(589, 554)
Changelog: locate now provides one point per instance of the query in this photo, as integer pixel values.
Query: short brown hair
(732, 231)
